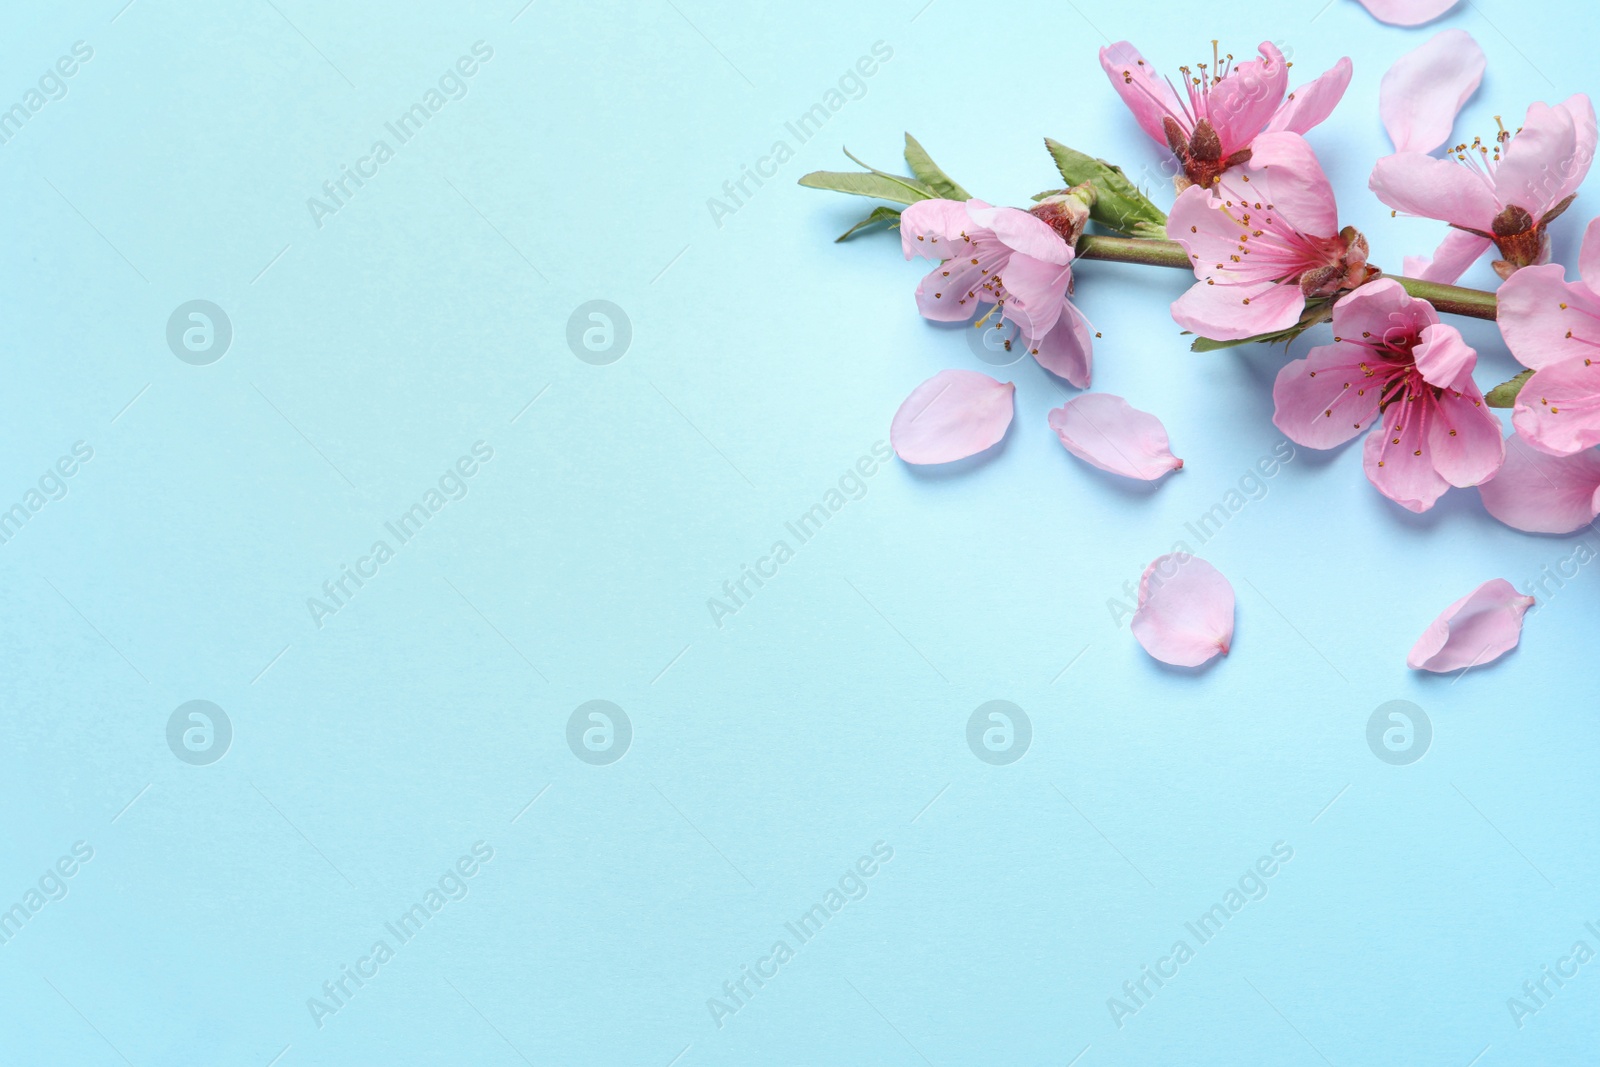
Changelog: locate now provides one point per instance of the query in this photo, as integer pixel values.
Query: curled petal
(1540, 493)
(1480, 627)
(1185, 614)
(1314, 101)
(1407, 12)
(1444, 357)
(1424, 90)
(1020, 232)
(1540, 165)
(1068, 348)
(953, 415)
(1241, 104)
(1107, 432)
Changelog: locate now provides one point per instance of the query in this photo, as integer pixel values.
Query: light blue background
(830, 712)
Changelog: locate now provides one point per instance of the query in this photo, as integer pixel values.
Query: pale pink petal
(1581, 109)
(932, 228)
(1241, 104)
(1558, 409)
(1547, 320)
(1424, 90)
(1540, 493)
(1396, 459)
(1036, 291)
(1477, 629)
(1185, 614)
(1068, 349)
(1444, 357)
(1106, 432)
(952, 291)
(1149, 98)
(1314, 101)
(1324, 400)
(1458, 251)
(1234, 312)
(1589, 257)
(1202, 224)
(1021, 232)
(953, 415)
(1464, 442)
(1432, 188)
(1537, 166)
(1407, 12)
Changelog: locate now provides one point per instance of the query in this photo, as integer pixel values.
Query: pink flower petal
(1037, 291)
(1234, 312)
(1314, 101)
(1241, 104)
(1068, 349)
(1540, 493)
(1397, 462)
(1589, 257)
(1185, 614)
(1477, 629)
(1407, 12)
(1546, 319)
(1324, 400)
(1444, 357)
(1285, 172)
(933, 228)
(1458, 251)
(1431, 188)
(953, 415)
(1106, 432)
(1150, 98)
(1464, 441)
(1539, 166)
(1558, 409)
(1423, 92)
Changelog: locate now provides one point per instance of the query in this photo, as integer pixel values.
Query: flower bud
(1067, 213)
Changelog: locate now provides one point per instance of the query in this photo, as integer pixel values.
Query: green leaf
(1120, 204)
(923, 166)
(875, 183)
(1504, 395)
(879, 215)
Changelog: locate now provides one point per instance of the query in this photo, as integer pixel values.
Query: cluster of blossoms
(1255, 219)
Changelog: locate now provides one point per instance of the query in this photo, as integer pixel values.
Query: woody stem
(1450, 299)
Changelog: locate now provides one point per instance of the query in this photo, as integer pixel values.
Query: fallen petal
(1477, 629)
(1424, 90)
(953, 415)
(1107, 432)
(1540, 493)
(1407, 12)
(1185, 614)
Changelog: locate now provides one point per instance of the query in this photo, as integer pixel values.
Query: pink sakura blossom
(1107, 432)
(1480, 627)
(1263, 241)
(953, 415)
(1540, 493)
(1553, 326)
(1393, 366)
(1185, 614)
(978, 246)
(1223, 108)
(1407, 12)
(1502, 194)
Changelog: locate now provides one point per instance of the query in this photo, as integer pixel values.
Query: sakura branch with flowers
(1255, 220)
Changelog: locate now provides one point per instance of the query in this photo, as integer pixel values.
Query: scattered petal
(1424, 90)
(1106, 432)
(1477, 629)
(1540, 493)
(1407, 12)
(953, 415)
(1185, 614)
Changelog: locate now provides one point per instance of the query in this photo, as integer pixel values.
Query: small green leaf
(1504, 395)
(923, 166)
(879, 215)
(1120, 204)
